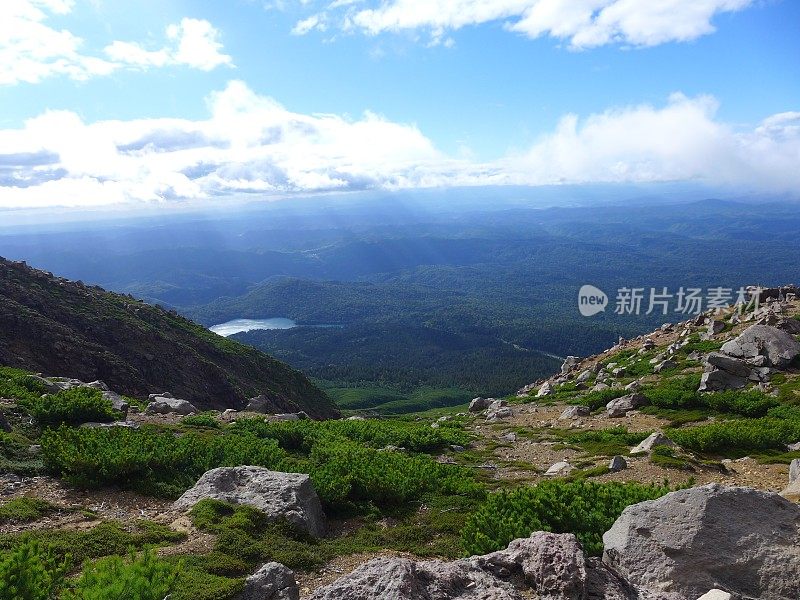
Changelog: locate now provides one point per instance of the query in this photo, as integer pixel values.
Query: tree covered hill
(59, 327)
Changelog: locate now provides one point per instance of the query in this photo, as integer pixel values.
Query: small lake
(242, 325)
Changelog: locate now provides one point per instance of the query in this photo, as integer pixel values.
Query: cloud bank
(583, 23)
(252, 145)
(31, 50)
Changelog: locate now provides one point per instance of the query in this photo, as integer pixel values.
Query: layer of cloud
(31, 50)
(251, 145)
(583, 23)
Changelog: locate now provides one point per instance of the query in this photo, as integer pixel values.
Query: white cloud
(251, 144)
(313, 22)
(584, 23)
(31, 50)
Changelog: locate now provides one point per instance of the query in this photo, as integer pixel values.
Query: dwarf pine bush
(584, 508)
(29, 571)
(144, 577)
(73, 407)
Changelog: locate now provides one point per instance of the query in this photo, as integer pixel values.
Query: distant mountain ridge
(59, 327)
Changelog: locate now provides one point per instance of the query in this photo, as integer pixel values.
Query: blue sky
(418, 93)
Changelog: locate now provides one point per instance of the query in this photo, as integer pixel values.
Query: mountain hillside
(59, 327)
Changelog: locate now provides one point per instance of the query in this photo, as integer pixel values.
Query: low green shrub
(30, 571)
(680, 393)
(73, 407)
(739, 436)
(147, 459)
(605, 442)
(201, 420)
(20, 385)
(143, 577)
(584, 508)
(302, 435)
(25, 510)
(600, 398)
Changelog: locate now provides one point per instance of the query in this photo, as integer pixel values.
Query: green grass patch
(206, 419)
(605, 442)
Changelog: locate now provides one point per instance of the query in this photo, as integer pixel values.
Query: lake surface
(241, 325)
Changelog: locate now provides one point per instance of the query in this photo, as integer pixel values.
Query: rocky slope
(59, 327)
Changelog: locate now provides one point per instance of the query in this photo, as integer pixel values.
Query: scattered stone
(4, 424)
(794, 470)
(718, 380)
(267, 404)
(665, 366)
(273, 581)
(651, 441)
(287, 496)
(509, 437)
(229, 412)
(634, 386)
(777, 347)
(569, 363)
(123, 424)
(356, 418)
(618, 372)
(584, 376)
(793, 447)
(545, 390)
(620, 407)
(559, 469)
(648, 344)
(298, 416)
(163, 405)
(457, 448)
(715, 326)
(716, 594)
(658, 358)
(617, 463)
(599, 387)
(435, 425)
(726, 363)
(667, 327)
(792, 491)
(479, 404)
(575, 412)
(500, 413)
(693, 540)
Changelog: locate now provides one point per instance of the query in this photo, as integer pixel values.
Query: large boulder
(546, 566)
(620, 407)
(267, 404)
(281, 496)
(273, 581)
(162, 405)
(479, 404)
(651, 441)
(726, 363)
(717, 380)
(575, 412)
(569, 363)
(764, 346)
(739, 539)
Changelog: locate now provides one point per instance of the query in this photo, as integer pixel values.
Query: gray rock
(163, 405)
(273, 581)
(4, 424)
(509, 437)
(728, 364)
(559, 469)
(792, 491)
(546, 566)
(298, 416)
(545, 390)
(793, 447)
(587, 374)
(716, 594)
(575, 412)
(479, 404)
(620, 407)
(617, 463)
(287, 496)
(651, 441)
(634, 386)
(715, 326)
(794, 470)
(791, 326)
(50, 387)
(402, 578)
(777, 347)
(599, 387)
(693, 540)
(718, 380)
(123, 424)
(569, 363)
(552, 564)
(267, 404)
(619, 372)
(665, 366)
(500, 413)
